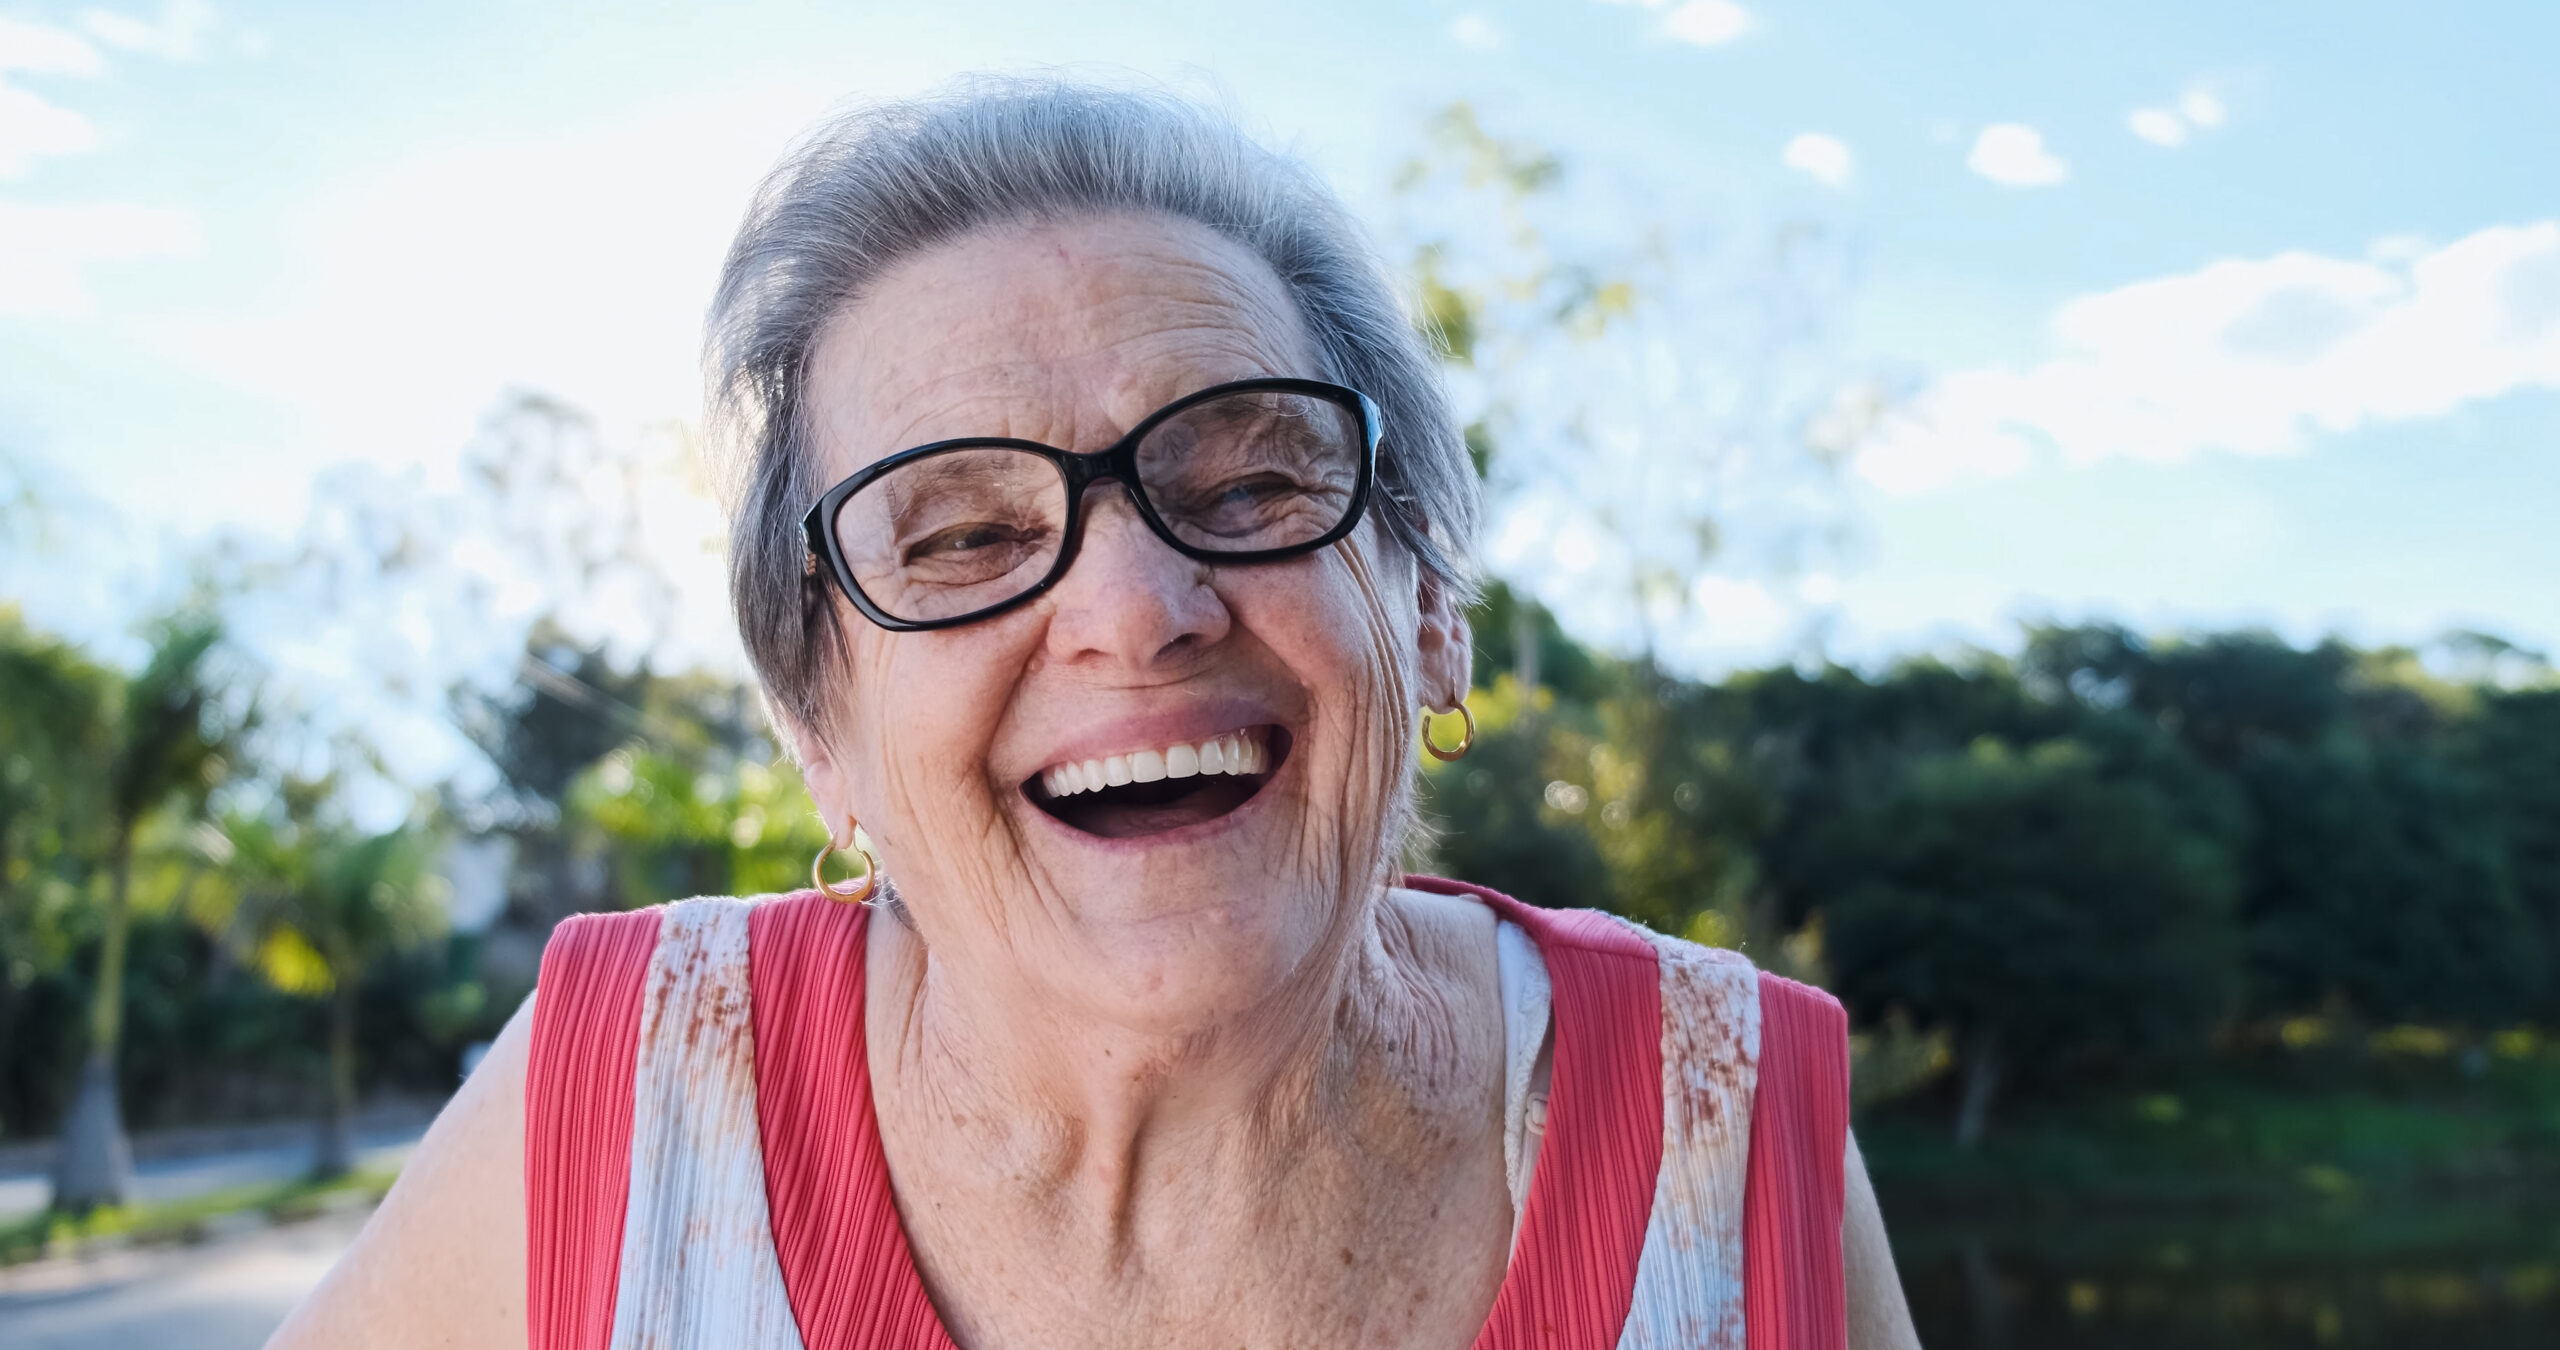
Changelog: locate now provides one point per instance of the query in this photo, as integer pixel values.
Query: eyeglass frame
(1080, 470)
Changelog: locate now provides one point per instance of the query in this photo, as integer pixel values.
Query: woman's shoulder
(1705, 987)
(602, 973)
(1789, 1017)
(610, 938)
(1588, 930)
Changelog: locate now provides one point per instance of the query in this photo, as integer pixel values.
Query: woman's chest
(1410, 1262)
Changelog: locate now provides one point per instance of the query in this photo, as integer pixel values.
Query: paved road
(23, 1192)
(224, 1295)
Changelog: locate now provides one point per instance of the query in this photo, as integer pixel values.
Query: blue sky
(2196, 314)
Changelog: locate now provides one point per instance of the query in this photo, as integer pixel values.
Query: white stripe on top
(698, 1261)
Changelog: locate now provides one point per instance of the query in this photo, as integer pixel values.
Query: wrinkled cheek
(1354, 838)
(919, 743)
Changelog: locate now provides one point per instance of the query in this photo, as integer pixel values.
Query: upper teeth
(1237, 752)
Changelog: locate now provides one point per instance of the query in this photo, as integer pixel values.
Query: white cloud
(2013, 154)
(41, 49)
(177, 35)
(2398, 248)
(1707, 23)
(1822, 157)
(1475, 32)
(32, 125)
(46, 251)
(2249, 356)
(2171, 125)
(2159, 126)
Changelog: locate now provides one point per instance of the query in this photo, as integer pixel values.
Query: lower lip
(1179, 835)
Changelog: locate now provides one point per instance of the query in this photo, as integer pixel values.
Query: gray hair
(872, 186)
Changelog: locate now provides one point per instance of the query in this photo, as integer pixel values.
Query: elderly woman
(1099, 535)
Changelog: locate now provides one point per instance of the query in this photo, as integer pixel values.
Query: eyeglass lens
(975, 526)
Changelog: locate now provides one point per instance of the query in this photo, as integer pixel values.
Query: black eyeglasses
(956, 531)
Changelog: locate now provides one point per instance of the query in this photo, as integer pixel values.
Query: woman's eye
(963, 539)
(1256, 491)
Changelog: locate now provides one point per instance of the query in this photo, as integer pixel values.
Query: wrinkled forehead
(1067, 333)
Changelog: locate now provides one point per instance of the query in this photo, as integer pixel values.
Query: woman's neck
(1322, 1165)
(1388, 1019)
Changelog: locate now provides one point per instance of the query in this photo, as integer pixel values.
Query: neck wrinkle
(1361, 1056)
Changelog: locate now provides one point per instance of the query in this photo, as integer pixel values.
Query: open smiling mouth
(1153, 791)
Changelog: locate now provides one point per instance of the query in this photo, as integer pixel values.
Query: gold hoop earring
(1466, 739)
(856, 892)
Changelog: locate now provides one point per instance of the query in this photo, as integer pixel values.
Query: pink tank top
(1688, 1191)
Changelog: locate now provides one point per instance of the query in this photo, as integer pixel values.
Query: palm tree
(323, 903)
(53, 704)
(162, 750)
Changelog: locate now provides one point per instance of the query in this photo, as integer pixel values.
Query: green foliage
(166, 743)
(2245, 1132)
(678, 829)
(188, 1220)
(54, 705)
(1496, 819)
(1504, 623)
(2034, 897)
(2378, 879)
(322, 902)
(2101, 857)
(2514, 748)
(2380, 886)
(572, 708)
(2110, 853)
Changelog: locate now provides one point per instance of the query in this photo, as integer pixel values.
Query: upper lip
(1189, 724)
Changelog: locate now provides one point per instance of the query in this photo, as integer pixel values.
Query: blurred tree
(2222, 694)
(2514, 747)
(323, 903)
(2039, 907)
(1818, 743)
(746, 827)
(569, 707)
(164, 745)
(698, 801)
(1519, 637)
(1645, 402)
(1681, 810)
(1505, 817)
(2378, 886)
(2375, 877)
(54, 703)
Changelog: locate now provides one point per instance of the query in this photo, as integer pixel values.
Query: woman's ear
(1445, 643)
(819, 770)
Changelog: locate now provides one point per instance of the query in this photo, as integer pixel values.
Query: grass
(189, 1220)
(2236, 1140)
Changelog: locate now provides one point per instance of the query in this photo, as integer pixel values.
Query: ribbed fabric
(698, 1261)
(845, 1261)
(577, 1124)
(1795, 1294)
(1572, 1274)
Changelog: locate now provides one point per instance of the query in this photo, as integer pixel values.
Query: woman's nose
(1128, 597)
